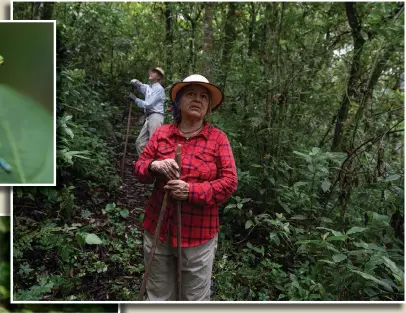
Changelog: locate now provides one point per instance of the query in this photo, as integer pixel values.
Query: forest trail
(134, 195)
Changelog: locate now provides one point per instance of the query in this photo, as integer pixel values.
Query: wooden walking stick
(126, 140)
(178, 209)
(155, 240)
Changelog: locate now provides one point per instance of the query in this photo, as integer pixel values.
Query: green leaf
(274, 237)
(364, 35)
(86, 214)
(335, 233)
(249, 224)
(325, 185)
(354, 230)
(374, 246)
(380, 217)
(92, 239)
(300, 183)
(299, 217)
(336, 238)
(361, 245)
(339, 257)
(28, 146)
(392, 266)
(256, 249)
(303, 155)
(318, 242)
(326, 219)
(374, 279)
(325, 261)
(79, 239)
(392, 177)
(285, 207)
(110, 207)
(124, 213)
(315, 150)
(332, 248)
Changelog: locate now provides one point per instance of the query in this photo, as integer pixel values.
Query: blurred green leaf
(27, 146)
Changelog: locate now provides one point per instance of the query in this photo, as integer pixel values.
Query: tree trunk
(192, 53)
(377, 69)
(350, 91)
(48, 11)
(208, 39)
(168, 35)
(251, 28)
(229, 38)
(35, 9)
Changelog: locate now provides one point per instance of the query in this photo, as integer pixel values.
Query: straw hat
(216, 93)
(159, 70)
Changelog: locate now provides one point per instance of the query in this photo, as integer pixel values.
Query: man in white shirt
(153, 106)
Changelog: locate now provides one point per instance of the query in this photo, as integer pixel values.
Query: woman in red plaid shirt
(207, 179)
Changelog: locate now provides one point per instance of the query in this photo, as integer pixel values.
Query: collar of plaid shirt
(207, 165)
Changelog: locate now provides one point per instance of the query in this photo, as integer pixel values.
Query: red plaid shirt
(207, 165)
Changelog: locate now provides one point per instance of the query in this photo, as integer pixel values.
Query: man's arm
(153, 99)
(142, 88)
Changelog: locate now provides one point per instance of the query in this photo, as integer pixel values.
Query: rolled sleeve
(142, 88)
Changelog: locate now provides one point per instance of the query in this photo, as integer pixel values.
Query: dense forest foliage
(313, 108)
(6, 307)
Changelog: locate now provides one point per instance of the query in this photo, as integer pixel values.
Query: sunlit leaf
(92, 239)
(339, 257)
(249, 224)
(354, 230)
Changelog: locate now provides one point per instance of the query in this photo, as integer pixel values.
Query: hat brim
(217, 95)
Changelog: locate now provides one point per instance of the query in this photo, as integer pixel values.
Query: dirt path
(134, 195)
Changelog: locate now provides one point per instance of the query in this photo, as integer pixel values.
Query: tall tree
(168, 35)
(351, 91)
(229, 38)
(208, 38)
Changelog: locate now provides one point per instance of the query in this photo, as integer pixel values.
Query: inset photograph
(27, 102)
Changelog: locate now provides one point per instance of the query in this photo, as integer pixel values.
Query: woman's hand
(178, 189)
(167, 167)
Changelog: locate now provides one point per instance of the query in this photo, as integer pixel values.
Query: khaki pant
(151, 123)
(197, 264)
